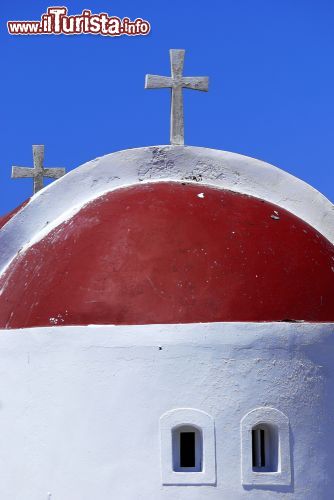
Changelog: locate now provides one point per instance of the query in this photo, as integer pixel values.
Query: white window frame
(180, 418)
(270, 417)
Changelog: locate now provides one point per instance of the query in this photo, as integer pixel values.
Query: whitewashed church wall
(80, 407)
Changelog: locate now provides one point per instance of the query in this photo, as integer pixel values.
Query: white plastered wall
(80, 407)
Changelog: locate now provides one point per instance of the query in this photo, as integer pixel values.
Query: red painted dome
(168, 252)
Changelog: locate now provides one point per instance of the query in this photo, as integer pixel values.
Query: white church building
(167, 328)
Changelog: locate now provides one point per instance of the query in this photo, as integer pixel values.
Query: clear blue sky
(271, 69)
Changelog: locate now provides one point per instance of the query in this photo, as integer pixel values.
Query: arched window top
(265, 415)
(187, 447)
(186, 416)
(265, 447)
(180, 426)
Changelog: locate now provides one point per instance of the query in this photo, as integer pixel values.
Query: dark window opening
(187, 444)
(258, 448)
(187, 449)
(265, 448)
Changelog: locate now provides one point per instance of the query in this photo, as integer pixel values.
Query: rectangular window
(187, 449)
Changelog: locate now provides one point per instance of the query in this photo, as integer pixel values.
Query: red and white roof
(169, 235)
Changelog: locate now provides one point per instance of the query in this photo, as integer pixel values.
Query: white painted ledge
(274, 335)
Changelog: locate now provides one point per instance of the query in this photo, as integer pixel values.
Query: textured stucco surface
(80, 406)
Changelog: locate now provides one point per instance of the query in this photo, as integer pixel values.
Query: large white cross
(38, 172)
(177, 82)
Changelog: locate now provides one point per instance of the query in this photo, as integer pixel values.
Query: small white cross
(177, 82)
(38, 172)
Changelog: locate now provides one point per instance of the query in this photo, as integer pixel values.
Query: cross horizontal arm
(196, 83)
(54, 173)
(158, 82)
(18, 172)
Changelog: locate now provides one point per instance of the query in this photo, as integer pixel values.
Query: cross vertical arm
(177, 111)
(177, 117)
(177, 62)
(38, 156)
